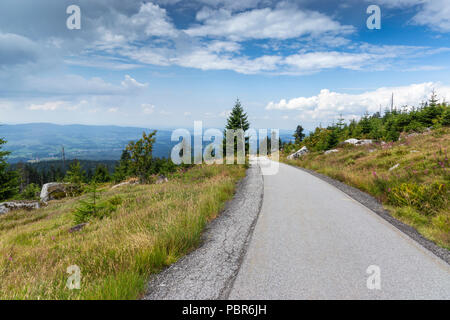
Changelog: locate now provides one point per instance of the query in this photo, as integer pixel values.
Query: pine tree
(122, 170)
(341, 123)
(90, 207)
(101, 174)
(332, 139)
(299, 135)
(9, 180)
(365, 124)
(433, 102)
(75, 175)
(238, 119)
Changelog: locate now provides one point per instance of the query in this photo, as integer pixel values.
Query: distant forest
(44, 172)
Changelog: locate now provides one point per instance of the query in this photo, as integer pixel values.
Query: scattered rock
(357, 142)
(394, 167)
(162, 179)
(6, 207)
(372, 150)
(299, 153)
(332, 151)
(77, 228)
(130, 182)
(414, 134)
(351, 141)
(54, 191)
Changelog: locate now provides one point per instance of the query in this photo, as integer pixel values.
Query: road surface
(312, 241)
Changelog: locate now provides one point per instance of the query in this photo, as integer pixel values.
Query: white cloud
(148, 108)
(75, 85)
(279, 23)
(327, 60)
(130, 83)
(329, 105)
(432, 13)
(150, 21)
(435, 14)
(48, 106)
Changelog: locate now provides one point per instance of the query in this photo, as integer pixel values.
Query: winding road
(292, 235)
(312, 241)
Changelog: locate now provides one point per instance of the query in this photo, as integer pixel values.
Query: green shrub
(94, 208)
(31, 192)
(428, 199)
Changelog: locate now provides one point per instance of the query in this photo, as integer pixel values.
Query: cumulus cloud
(279, 23)
(150, 21)
(329, 104)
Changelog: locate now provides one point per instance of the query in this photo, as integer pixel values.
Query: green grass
(152, 228)
(417, 192)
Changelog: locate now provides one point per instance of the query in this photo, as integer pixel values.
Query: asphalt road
(312, 241)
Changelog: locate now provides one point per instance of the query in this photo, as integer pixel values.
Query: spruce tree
(238, 119)
(299, 135)
(9, 180)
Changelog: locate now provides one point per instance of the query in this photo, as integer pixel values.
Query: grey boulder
(6, 207)
(299, 153)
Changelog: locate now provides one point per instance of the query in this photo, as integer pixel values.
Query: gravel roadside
(208, 272)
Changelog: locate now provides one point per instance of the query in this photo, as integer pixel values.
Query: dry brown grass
(153, 227)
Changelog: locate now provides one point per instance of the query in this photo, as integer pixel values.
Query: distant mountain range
(44, 141)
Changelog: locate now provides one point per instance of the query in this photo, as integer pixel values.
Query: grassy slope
(153, 227)
(417, 192)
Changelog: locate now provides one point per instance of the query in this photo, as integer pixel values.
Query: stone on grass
(162, 179)
(6, 207)
(299, 153)
(53, 191)
(394, 167)
(358, 142)
(130, 182)
(77, 227)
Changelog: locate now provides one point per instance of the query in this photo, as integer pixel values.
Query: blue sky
(166, 63)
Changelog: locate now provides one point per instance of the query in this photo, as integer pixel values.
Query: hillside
(410, 177)
(44, 141)
(146, 228)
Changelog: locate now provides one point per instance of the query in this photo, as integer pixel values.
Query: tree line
(378, 127)
(23, 181)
